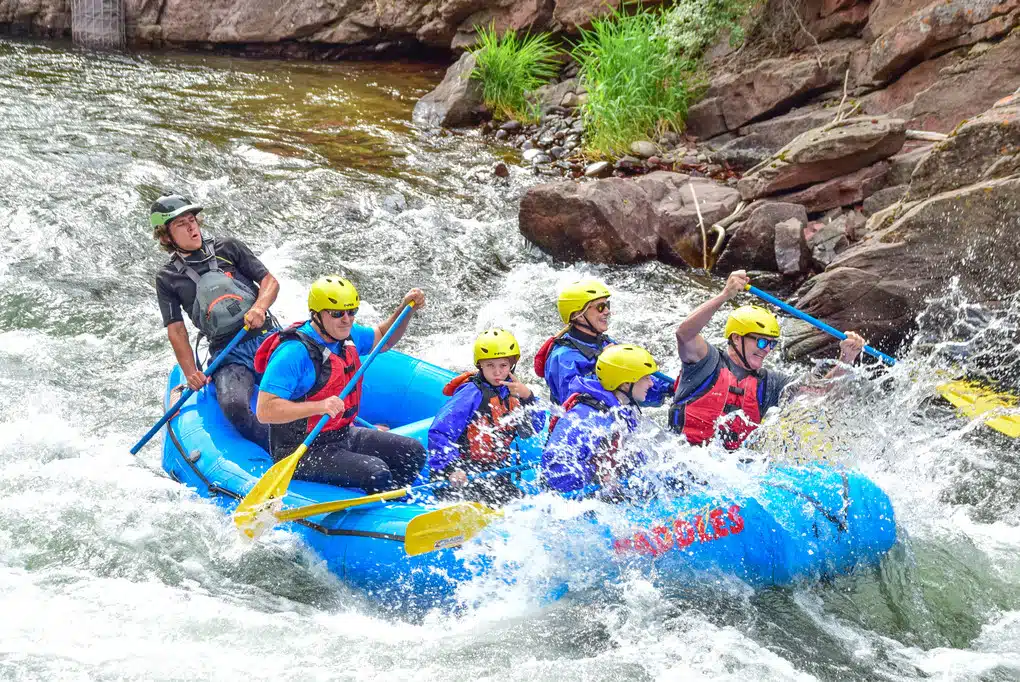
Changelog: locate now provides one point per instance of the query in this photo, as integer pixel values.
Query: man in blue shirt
(305, 368)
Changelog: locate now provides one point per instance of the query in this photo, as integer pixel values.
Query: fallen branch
(701, 223)
(926, 135)
(839, 111)
(720, 227)
(796, 14)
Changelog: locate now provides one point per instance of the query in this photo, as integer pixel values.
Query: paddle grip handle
(361, 370)
(828, 329)
(213, 366)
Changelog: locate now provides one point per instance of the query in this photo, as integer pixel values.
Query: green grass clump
(509, 66)
(638, 86)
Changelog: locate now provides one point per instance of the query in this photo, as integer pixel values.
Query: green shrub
(509, 66)
(691, 26)
(638, 86)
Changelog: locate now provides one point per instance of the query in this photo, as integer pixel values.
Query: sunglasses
(601, 307)
(340, 314)
(764, 343)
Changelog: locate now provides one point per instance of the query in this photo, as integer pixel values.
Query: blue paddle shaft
(361, 370)
(800, 314)
(367, 424)
(213, 366)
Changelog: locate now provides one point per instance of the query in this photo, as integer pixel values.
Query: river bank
(811, 140)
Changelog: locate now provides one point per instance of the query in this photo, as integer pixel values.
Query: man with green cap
(223, 287)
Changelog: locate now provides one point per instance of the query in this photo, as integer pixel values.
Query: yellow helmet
(496, 343)
(332, 292)
(576, 296)
(752, 319)
(623, 364)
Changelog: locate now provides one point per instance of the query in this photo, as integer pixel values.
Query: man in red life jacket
(305, 367)
(475, 430)
(717, 382)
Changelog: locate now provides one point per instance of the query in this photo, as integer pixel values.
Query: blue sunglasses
(764, 343)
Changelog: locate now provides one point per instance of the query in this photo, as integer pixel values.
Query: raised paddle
(263, 522)
(972, 399)
(800, 314)
(274, 483)
(213, 366)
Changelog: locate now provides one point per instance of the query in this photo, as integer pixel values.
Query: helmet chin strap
(741, 355)
(581, 322)
(317, 319)
(177, 247)
(630, 396)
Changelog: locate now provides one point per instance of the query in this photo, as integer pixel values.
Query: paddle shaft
(337, 505)
(353, 383)
(800, 314)
(213, 366)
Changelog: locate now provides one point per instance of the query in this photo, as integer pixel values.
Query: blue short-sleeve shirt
(290, 373)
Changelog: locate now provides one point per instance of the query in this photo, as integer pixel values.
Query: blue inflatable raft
(801, 523)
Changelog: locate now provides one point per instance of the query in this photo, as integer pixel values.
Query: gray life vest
(220, 300)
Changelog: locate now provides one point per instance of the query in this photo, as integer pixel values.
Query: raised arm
(418, 297)
(690, 345)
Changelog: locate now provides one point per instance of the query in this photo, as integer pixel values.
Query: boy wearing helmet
(306, 366)
(223, 287)
(583, 444)
(473, 432)
(717, 382)
(584, 307)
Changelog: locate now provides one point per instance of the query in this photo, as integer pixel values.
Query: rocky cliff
(348, 26)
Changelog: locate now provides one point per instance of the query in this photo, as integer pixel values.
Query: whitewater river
(111, 571)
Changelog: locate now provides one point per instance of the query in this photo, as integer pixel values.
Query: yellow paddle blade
(447, 527)
(975, 400)
(272, 486)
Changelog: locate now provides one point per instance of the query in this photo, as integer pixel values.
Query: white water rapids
(111, 571)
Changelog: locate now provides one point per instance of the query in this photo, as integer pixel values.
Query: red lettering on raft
(718, 524)
(736, 520)
(682, 533)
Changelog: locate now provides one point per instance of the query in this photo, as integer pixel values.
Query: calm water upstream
(111, 571)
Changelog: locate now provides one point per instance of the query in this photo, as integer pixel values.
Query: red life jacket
(698, 414)
(332, 373)
(490, 432)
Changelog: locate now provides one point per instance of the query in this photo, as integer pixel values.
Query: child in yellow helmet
(582, 452)
(475, 430)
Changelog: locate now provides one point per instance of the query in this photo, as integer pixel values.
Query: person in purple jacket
(474, 431)
(584, 308)
(584, 454)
